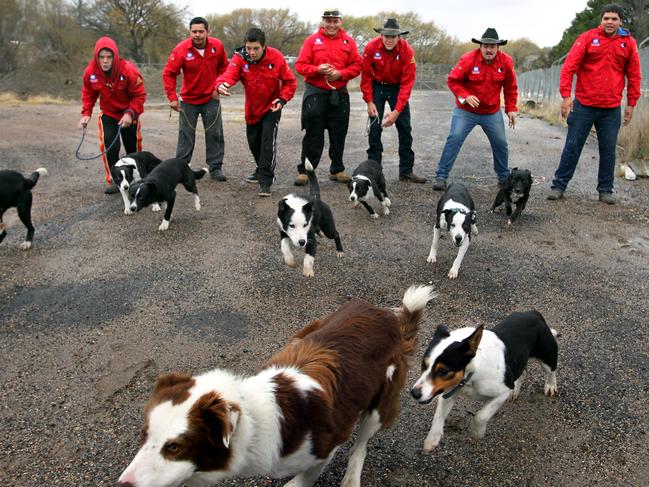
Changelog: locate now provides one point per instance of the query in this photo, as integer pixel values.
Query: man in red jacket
(388, 74)
(269, 84)
(477, 81)
(120, 89)
(201, 59)
(601, 58)
(328, 59)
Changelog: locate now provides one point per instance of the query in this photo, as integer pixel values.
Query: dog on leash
(518, 184)
(290, 418)
(486, 365)
(367, 181)
(300, 219)
(455, 213)
(130, 169)
(16, 192)
(160, 186)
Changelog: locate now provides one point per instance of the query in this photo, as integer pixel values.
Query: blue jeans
(580, 120)
(462, 122)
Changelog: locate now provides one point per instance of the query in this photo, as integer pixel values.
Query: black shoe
(607, 198)
(112, 189)
(411, 177)
(264, 190)
(252, 178)
(218, 175)
(439, 184)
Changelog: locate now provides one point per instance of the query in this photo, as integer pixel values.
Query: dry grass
(634, 138)
(550, 111)
(11, 98)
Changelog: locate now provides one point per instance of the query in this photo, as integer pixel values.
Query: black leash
(83, 136)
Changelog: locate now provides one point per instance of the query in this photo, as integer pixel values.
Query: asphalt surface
(104, 303)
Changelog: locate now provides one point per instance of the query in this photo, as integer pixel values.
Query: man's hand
(276, 105)
(223, 89)
(84, 121)
(628, 115)
(390, 118)
(371, 109)
(512, 119)
(174, 106)
(332, 75)
(566, 107)
(472, 101)
(324, 68)
(126, 120)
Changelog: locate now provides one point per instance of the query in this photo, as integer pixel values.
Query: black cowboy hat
(391, 28)
(332, 13)
(490, 36)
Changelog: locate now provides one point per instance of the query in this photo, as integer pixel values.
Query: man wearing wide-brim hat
(388, 75)
(477, 81)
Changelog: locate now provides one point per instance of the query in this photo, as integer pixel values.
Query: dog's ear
(528, 174)
(473, 340)
(308, 208)
(232, 414)
(441, 332)
(216, 415)
(448, 216)
(282, 205)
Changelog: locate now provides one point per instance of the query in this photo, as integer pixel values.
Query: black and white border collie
(456, 213)
(518, 184)
(160, 186)
(290, 418)
(130, 169)
(486, 365)
(300, 219)
(367, 181)
(16, 192)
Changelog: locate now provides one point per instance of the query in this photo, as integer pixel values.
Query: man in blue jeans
(601, 58)
(477, 81)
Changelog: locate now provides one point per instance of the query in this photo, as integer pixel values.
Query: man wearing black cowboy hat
(388, 74)
(476, 81)
(328, 59)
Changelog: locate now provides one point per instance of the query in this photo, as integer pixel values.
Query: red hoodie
(119, 91)
(264, 81)
(199, 71)
(601, 63)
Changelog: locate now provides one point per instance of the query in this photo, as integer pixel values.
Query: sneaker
(555, 194)
(340, 177)
(264, 190)
(301, 179)
(252, 178)
(412, 178)
(439, 184)
(607, 198)
(217, 175)
(111, 189)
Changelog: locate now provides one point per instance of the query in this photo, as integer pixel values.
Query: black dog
(367, 181)
(130, 169)
(300, 219)
(519, 183)
(16, 192)
(160, 186)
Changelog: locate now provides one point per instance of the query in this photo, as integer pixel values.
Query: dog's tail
(200, 173)
(411, 312)
(314, 187)
(33, 177)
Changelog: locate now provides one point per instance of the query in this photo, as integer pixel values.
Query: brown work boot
(301, 180)
(340, 177)
(412, 178)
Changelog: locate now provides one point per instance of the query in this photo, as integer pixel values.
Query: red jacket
(395, 67)
(264, 81)
(199, 72)
(472, 76)
(341, 52)
(119, 91)
(601, 63)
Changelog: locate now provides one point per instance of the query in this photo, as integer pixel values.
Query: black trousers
(210, 113)
(130, 136)
(320, 112)
(262, 138)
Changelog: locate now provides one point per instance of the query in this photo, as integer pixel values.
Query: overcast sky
(541, 21)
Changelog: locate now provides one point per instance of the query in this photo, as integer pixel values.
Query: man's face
(199, 35)
(105, 59)
(389, 41)
(255, 50)
(489, 52)
(610, 23)
(331, 25)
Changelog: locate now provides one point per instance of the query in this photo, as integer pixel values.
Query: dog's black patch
(516, 189)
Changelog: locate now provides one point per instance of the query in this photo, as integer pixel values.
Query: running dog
(518, 183)
(290, 418)
(16, 192)
(456, 213)
(130, 169)
(486, 365)
(367, 181)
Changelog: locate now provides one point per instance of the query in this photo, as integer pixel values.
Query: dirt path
(104, 302)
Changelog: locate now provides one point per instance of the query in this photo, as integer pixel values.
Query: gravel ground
(104, 303)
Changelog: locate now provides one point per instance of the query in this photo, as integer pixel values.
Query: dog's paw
(509, 222)
(513, 396)
(478, 429)
(308, 272)
(474, 229)
(374, 215)
(432, 441)
(290, 261)
(387, 201)
(155, 207)
(356, 204)
(452, 274)
(550, 390)
(386, 210)
(340, 254)
(163, 226)
(25, 245)
(431, 259)
(128, 211)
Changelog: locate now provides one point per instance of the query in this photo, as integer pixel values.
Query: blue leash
(83, 135)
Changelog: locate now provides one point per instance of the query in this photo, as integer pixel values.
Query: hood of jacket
(108, 43)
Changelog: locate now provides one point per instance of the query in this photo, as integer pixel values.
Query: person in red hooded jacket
(601, 58)
(120, 88)
(269, 84)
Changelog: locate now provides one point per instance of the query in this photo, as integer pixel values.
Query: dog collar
(457, 388)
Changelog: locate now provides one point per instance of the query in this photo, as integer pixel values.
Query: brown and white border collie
(290, 418)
